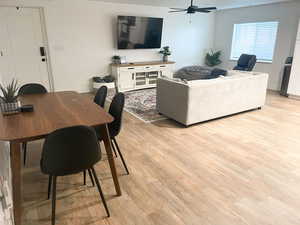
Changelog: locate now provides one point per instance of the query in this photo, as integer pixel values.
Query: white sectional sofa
(196, 101)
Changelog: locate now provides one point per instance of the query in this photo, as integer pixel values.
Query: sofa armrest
(172, 99)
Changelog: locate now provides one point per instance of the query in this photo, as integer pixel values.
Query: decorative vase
(10, 108)
(165, 58)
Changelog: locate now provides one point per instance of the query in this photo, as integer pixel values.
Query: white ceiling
(220, 4)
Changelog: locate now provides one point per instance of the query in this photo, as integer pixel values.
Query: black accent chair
(116, 110)
(32, 88)
(69, 151)
(100, 96)
(28, 89)
(246, 62)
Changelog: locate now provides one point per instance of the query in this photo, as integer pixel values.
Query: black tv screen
(139, 32)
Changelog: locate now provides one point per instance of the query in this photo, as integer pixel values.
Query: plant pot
(117, 61)
(10, 108)
(165, 58)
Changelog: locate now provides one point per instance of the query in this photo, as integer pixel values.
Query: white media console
(139, 75)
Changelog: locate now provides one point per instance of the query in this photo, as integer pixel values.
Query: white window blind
(256, 39)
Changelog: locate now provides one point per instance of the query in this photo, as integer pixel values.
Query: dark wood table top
(51, 111)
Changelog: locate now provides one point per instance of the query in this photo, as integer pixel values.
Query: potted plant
(165, 51)
(9, 98)
(212, 58)
(116, 59)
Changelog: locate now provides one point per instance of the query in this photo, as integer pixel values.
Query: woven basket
(10, 108)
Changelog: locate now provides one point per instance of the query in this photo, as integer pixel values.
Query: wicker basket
(10, 108)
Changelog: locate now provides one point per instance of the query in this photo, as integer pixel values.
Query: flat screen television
(139, 32)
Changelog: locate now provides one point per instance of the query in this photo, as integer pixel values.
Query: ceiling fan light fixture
(193, 9)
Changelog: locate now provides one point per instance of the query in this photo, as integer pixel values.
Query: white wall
(82, 37)
(287, 14)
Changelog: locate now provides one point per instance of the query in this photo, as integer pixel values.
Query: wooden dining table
(52, 111)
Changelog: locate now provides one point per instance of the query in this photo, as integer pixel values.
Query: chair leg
(121, 156)
(91, 177)
(24, 146)
(84, 177)
(114, 149)
(53, 200)
(49, 186)
(100, 191)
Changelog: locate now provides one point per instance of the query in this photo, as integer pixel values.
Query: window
(254, 38)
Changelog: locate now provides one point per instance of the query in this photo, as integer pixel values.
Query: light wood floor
(240, 170)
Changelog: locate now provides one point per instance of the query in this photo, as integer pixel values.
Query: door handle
(43, 54)
(133, 76)
(1, 53)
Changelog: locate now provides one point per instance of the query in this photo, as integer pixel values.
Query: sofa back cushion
(193, 73)
(218, 72)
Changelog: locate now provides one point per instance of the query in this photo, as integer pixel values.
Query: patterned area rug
(141, 104)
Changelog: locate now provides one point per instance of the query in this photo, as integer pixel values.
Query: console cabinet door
(166, 71)
(126, 80)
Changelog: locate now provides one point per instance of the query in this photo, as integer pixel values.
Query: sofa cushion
(218, 72)
(193, 73)
(176, 80)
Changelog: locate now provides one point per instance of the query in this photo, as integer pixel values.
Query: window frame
(255, 22)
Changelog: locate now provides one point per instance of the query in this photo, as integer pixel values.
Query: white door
(4, 45)
(298, 34)
(21, 38)
(294, 83)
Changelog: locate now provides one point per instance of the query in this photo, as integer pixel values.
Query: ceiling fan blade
(203, 11)
(177, 8)
(177, 11)
(208, 8)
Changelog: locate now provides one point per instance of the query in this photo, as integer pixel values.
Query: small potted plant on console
(165, 51)
(116, 59)
(9, 103)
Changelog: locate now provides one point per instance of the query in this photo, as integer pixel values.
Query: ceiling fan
(193, 9)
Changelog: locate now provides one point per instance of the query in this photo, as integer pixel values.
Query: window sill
(258, 61)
